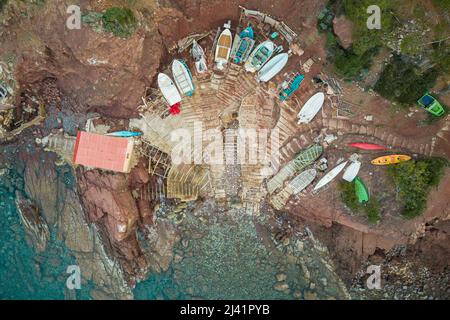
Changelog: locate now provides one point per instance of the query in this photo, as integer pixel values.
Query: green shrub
(120, 21)
(403, 82)
(372, 209)
(414, 179)
(350, 65)
(2, 4)
(348, 195)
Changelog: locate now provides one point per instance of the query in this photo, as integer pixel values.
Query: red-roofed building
(103, 152)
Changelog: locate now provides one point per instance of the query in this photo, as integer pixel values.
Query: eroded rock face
(343, 28)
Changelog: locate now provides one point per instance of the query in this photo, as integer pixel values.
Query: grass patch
(404, 82)
(348, 196)
(120, 21)
(414, 180)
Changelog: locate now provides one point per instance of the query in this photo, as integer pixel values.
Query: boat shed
(103, 152)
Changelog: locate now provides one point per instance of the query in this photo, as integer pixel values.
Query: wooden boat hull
(253, 63)
(223, 48)
(182, 78)
(304, 179)
(199, 58)
(392, 159)
(168, 89)
(311, 108)
(330, 175)
(273, 67)
(366, 146)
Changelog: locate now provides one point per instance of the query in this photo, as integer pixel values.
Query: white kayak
(199, 57)
(352, 171)
(259, 56)
(304, 179)
(326, 179)
(223, 48)
(311, 108)
(168, 89)
(182, 78)
(272, 67)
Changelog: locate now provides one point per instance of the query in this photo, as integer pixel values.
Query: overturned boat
(273, 67)
(183, 78)
(259, 56)
(304, 179)
(199, 57)
(244, 46)
(223, 48)
(311, 108)
(366, 146)
(392, 159)
(326, 179)
(361, 191)
(169, 92)
(352, 171)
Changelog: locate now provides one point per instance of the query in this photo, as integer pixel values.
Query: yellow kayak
(393, 159)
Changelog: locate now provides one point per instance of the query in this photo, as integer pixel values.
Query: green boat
(430, 104)
(361, 191)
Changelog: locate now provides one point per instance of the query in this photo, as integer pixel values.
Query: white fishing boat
(259, 56)
(223, 48)
(304, 179)
(273, 67)
(199, 57)
(311, 108)
(182, 77)
(352, 171)
(168, 89)
(326, 179)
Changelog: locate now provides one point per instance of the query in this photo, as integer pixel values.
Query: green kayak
(361, 191)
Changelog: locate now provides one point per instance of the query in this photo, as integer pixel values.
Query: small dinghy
(223, 48)
(199, 57)
(311, 108)
(182, 77)
(259, 56)
(304, 179)
(393, 159)
(352, 171)
(169, 92)
(272, 67)
(361, 191)
(330, 175)
(244, 45)
(124, 134)
(366, 146)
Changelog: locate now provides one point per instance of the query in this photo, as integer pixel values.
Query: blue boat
(124, 134)
(245, 45)
(291, 87)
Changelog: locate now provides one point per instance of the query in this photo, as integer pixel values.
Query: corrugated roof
(103, 152)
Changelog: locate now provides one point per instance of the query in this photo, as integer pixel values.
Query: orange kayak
(393, 159)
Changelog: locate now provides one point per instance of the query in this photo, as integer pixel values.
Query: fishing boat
(392, 159)
(292, 86)
(311, 108)
(259, 56)
(199, 57)
(183, 78)
(169, 92)
(124, 134)
(223, 48)
(304, 179)
(272, 67)
(366, 146)
(244, 45)
(326, 179)
(361, 191)
(352, 171)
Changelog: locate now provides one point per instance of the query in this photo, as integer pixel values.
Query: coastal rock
(343, 28)
(281, 277)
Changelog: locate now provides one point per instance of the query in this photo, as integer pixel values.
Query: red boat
(366, 146)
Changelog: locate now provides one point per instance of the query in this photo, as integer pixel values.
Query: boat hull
(223, 48)
(311, 108)
(182, 78)
(366, 146)
(361, 191)
(259, 56)
(330, 175)
(199, 58)
(392, 159)
(304, 179)
(273, 67)
(352, 171)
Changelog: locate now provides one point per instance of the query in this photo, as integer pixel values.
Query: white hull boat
(168, 89)
(352, 171)
(223, 48)
(182, 78)
(273, 67)
(326, 179)
(311, 108)
(259, 56)
(199, 58)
